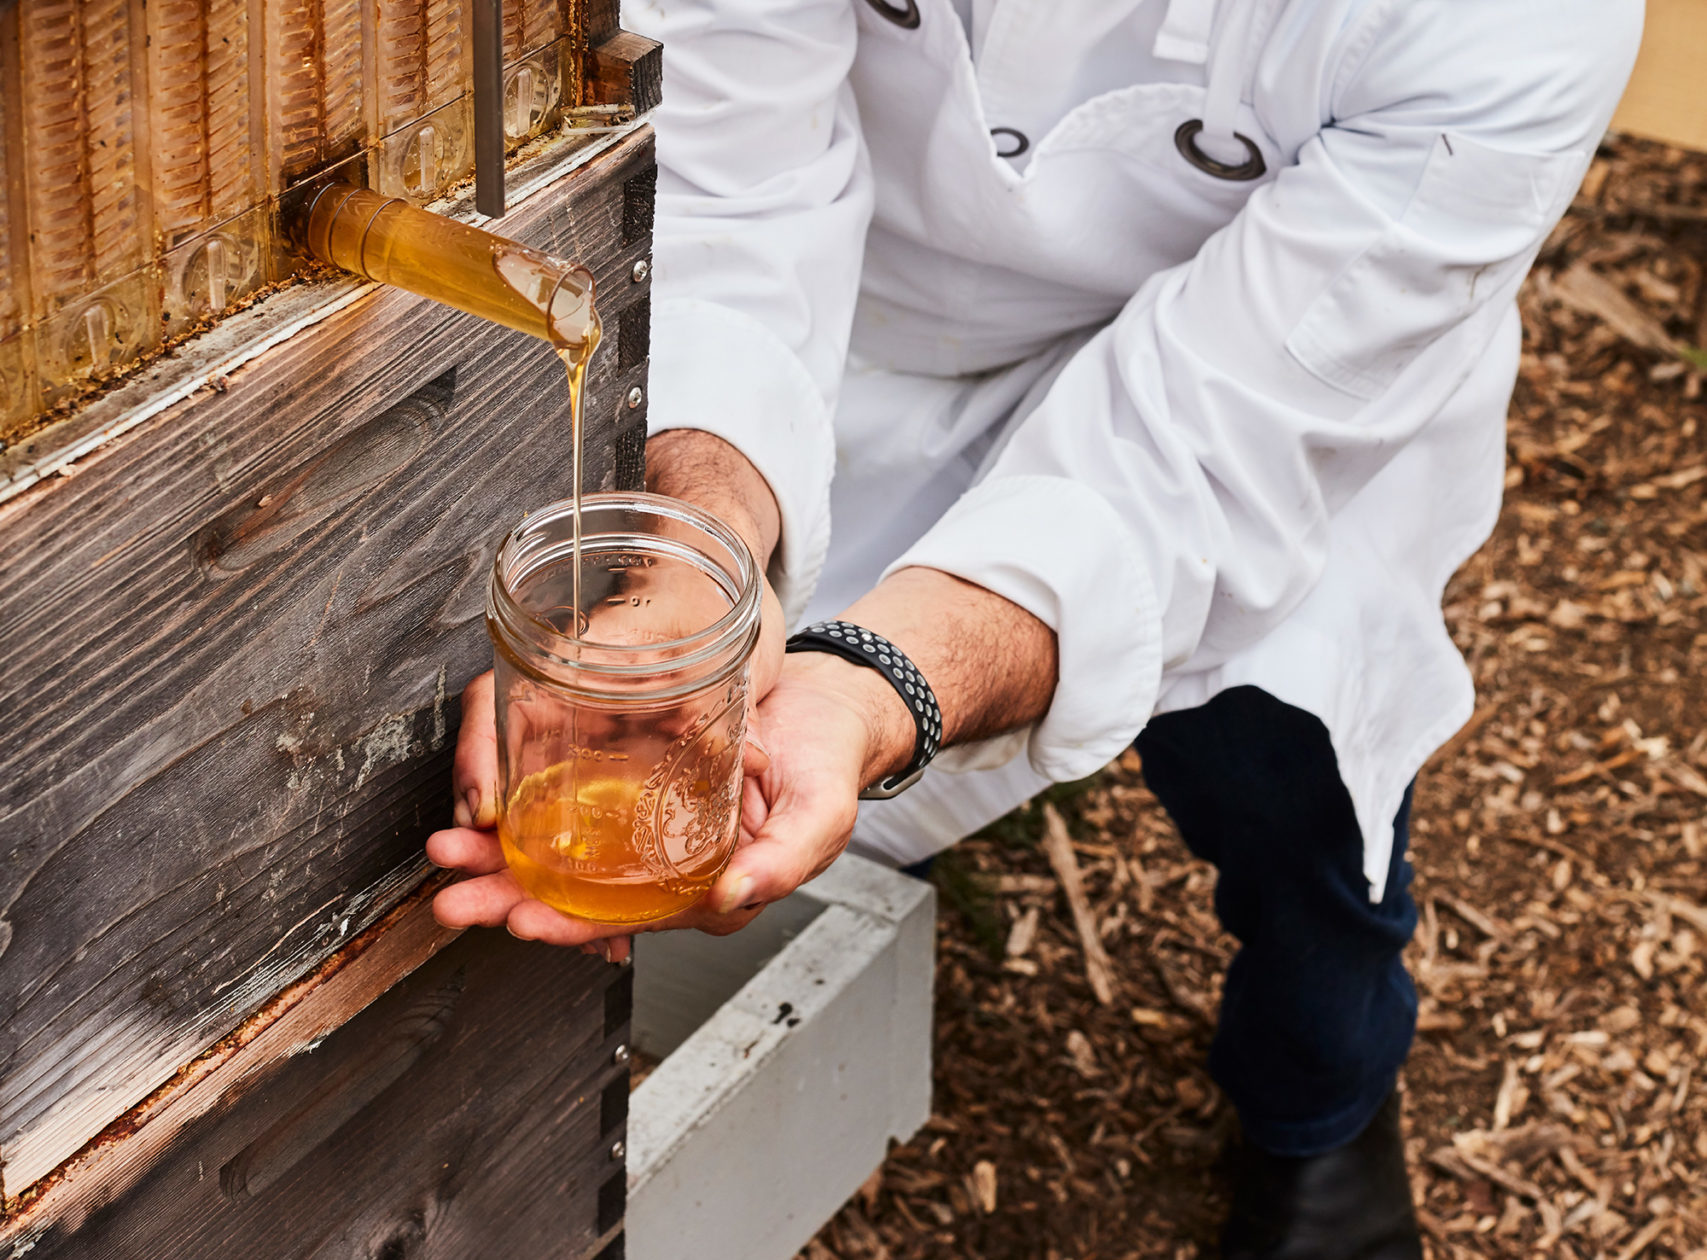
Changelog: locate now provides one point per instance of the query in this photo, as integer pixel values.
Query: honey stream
(575, 833)
(576, 357)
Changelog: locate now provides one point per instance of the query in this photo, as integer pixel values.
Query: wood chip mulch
(1556, 1099)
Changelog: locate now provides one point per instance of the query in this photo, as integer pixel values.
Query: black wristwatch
(862, 647)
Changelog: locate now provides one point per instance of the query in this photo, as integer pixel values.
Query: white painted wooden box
(792, 1052)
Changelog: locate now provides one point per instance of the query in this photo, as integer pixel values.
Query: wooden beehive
(241, 586)
(144, 149)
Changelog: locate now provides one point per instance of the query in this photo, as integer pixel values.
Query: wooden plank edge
(301, 1014)
(865, 906)
(827, 1028)
(626, 69)
(35, 1152)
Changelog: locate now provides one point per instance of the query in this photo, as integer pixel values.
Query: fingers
(768, 653)
(474, 772)
(755, 758)
(754, 807)
(797, 842)
(484, 901)
(535, 921)
(459, 848)
(497, 901)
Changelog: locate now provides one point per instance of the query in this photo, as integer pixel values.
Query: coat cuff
(720, 371)
(1007, 535)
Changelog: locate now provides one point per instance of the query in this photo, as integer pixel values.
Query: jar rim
(706, 644)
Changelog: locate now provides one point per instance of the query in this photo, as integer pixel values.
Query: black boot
(1353, 1203)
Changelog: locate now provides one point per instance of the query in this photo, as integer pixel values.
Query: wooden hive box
(241, 586)
(1667, 97)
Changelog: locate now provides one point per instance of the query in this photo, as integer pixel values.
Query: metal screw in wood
(635, 398)
(642, 269)
(621, 1055)
(617, 1149)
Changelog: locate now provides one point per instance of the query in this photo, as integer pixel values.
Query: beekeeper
(1126, 369)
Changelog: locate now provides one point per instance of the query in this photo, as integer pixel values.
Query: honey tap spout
(393, 242)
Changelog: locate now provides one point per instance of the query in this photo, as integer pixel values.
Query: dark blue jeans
(1318, 1011)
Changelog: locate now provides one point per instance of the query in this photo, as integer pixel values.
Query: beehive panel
(235, 641)
(423, 58)
(203, 160)
(161, 136)
(471, 1110)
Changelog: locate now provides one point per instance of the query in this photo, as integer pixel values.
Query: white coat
(953, 256)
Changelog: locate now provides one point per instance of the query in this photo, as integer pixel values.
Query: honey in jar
(621, 703)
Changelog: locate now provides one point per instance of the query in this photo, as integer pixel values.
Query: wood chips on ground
(1555, 1098)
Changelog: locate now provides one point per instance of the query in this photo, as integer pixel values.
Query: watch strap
(863, 647)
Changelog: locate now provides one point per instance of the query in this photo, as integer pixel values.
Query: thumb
(474, 772)
(797, 843)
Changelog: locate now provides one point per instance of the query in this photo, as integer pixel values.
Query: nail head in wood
(635, 398)
(642, 269)
(618, 1149)
(621, 1055)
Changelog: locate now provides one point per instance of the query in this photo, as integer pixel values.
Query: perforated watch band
(862, 647)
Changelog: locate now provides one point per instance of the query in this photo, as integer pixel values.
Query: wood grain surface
(234, 640)
(471, 1110)
(626, 69)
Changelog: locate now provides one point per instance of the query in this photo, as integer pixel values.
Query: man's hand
(834, 727)
(492, 897)
(833, 731)
(704, 470)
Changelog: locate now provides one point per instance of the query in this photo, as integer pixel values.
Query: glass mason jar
(619, 751)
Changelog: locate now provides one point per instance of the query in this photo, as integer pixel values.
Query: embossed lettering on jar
(621, 721)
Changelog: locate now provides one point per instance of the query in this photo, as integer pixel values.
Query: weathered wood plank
(471, 1110)
(234, 639)
(600, 19)
(626, 69)
(296, 1018)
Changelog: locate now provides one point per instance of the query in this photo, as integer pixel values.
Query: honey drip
(618, 817)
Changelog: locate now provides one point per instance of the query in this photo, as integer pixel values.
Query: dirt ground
(1555, 1099)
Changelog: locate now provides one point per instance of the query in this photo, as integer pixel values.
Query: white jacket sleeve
(764, 195)
(1186, 464)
